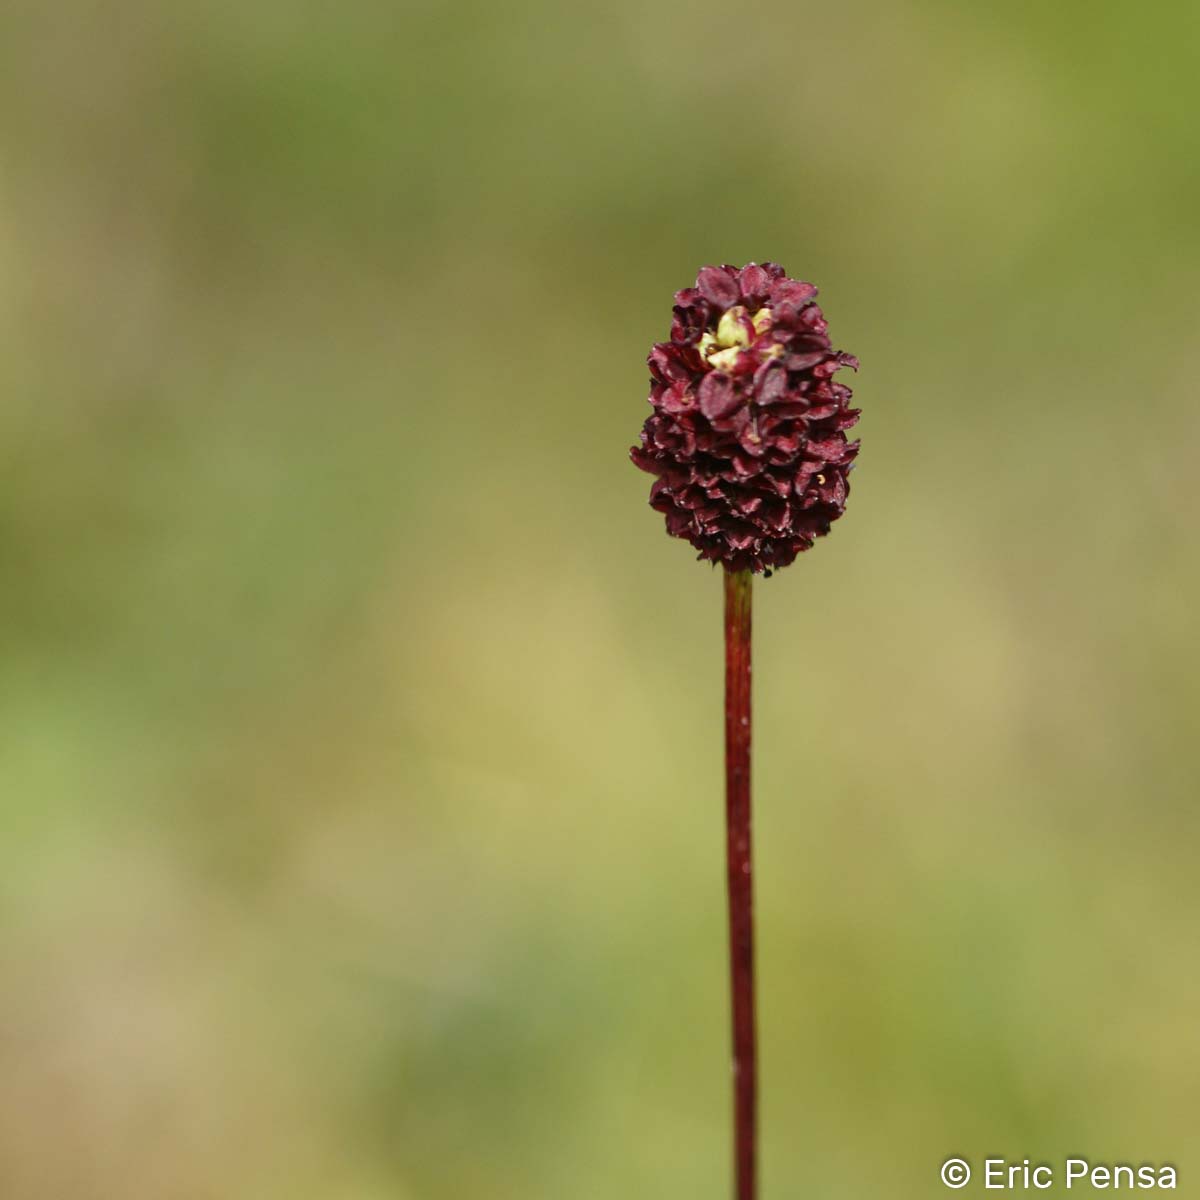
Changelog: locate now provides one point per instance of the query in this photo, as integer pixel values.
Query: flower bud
(747, 439)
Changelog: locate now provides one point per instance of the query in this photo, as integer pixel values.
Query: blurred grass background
(360, 726)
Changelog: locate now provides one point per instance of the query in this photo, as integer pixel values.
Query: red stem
(740, 880)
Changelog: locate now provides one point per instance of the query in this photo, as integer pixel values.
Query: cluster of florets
(747, 438)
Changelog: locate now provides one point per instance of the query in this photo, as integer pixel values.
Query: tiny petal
(689, 322)
(754, 282)
(770, 383)
(829, 449)
(802, 362)
(717, 396)
(666, 363)
(677, 398)
(793, 292)
(718, 287)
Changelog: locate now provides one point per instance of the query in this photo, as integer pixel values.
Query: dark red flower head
(747, 437)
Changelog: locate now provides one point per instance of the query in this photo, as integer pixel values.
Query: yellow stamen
(731, 331)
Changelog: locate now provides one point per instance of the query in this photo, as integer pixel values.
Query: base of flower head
(747, 437)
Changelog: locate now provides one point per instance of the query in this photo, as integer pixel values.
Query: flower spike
(748, 434)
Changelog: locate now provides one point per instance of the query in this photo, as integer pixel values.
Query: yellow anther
(725, 360)
(731, 331)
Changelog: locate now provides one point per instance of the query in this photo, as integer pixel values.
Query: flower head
(747, 437)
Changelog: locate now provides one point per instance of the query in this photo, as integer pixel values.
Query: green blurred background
(360, 726)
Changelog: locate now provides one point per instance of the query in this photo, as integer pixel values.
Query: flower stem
(740, 880)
